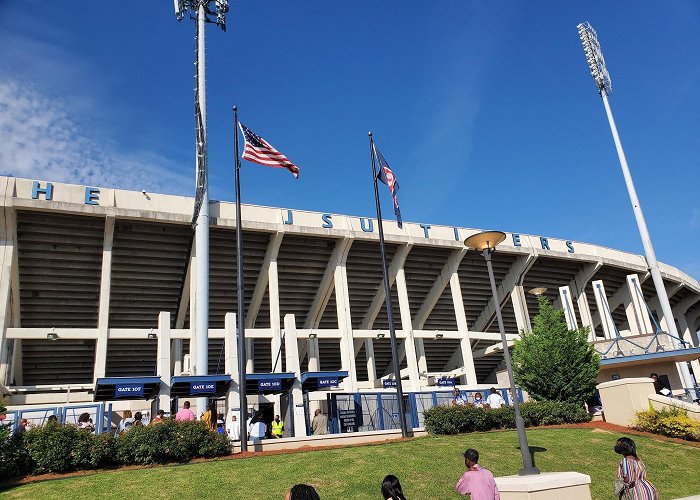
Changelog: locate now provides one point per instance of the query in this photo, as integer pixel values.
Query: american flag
(258, 150)
(387, 177)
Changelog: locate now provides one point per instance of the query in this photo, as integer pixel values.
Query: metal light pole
(601, 77)
(486, 243)
(204, 14)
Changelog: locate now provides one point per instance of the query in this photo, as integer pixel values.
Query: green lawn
(428, 468)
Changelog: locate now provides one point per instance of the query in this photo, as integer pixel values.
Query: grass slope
(428, 468)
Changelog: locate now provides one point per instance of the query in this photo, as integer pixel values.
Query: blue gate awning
(116, 388)
(269, 383)
(319, 381)
(192, 386)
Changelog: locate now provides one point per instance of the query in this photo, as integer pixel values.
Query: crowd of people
(493, 400)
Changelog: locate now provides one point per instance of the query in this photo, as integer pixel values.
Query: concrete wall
(622, 399)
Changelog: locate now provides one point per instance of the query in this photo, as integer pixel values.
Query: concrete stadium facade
(96, 282)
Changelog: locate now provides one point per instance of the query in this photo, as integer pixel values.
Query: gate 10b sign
(446, 382)
(270, 385)
(202, 387)
(128, 391)
(389, 383)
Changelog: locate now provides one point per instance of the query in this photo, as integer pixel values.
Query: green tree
(554, 363)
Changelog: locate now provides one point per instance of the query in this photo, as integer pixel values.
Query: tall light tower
(601, 77)
(202, 11)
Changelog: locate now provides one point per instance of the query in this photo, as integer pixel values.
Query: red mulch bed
(605, 426)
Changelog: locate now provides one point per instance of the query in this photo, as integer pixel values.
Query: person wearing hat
(477, 481)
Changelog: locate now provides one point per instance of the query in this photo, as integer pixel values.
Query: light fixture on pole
(202, 12)
(601, 77)
(486, 242)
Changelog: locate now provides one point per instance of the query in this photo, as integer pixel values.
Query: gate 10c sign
(328, 382)
(202, 387)
(128, 391)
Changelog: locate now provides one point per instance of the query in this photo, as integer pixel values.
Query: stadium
(97, 287)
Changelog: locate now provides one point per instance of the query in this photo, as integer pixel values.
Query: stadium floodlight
(486, 242)
(594, 57)
(215, 15)
(180, 9)
(596, 63)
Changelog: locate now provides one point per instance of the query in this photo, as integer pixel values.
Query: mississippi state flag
(259, 151)
(386, 175)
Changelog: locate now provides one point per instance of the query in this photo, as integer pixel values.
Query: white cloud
(41, 139)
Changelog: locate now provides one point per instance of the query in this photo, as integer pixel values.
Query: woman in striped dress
(633, 473)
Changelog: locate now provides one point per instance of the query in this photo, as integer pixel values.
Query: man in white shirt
(494, 400)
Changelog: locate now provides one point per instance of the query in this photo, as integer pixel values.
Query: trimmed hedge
(673, 422)
(469, 418)
(64, 448)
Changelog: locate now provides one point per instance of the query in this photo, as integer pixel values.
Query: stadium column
(682, 366)
(522, 315)
(584, 311)
(291, 352)
(415, 364)
(233, 399)
(105, 287)
(465, 343)
(176, 349)
(342, 299)
(636, 309)
(8, 251)
(603, 306)
(274, 294)
(163, 362)
(193, 313)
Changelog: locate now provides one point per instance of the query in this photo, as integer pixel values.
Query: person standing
(478, 401)
(477, 481)
(234, 431)
(660, 387)
(185, 414)
(494, 400)
(209, 417)
(633, 473)
(257, 427)
(160, 416)
(126, 422)
(319, 424)
(277, 430)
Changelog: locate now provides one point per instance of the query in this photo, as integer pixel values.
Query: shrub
(673, 422)
(55, 448)
(169, 441)
(14, 459)
(468, 418)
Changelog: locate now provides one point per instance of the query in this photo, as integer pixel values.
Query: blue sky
(485, 110)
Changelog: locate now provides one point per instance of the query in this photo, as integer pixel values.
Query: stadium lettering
(92, 197)
(37, 190)
(328, 223)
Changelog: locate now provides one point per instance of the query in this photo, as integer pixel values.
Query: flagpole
(389, 308)
(240, 299)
